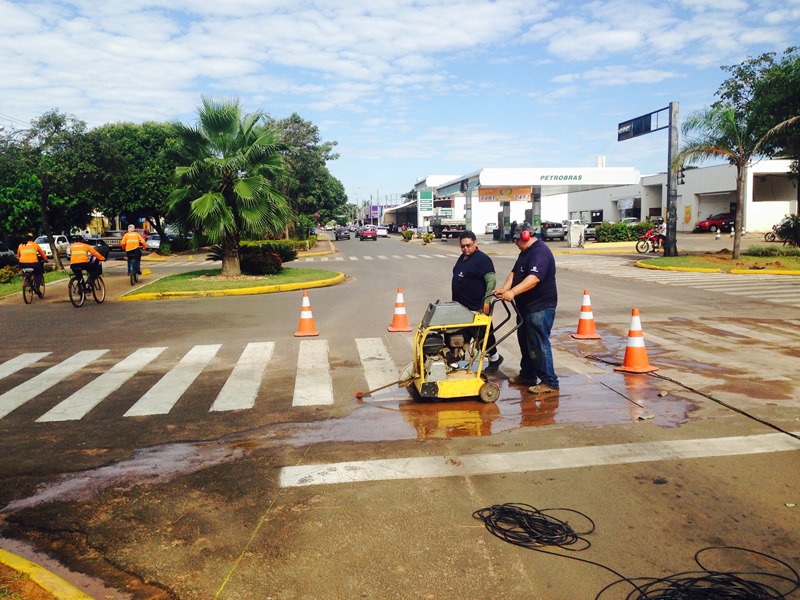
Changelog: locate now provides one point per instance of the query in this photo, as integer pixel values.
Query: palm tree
(232, 183)
(720, 133)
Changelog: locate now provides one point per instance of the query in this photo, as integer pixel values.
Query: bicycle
(79, 288)
(30, 283)
(133, 272)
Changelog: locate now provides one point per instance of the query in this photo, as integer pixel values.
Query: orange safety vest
(79, 253)
(131, 241)
(27, 253)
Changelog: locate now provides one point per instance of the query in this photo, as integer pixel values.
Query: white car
(382, 231)
(153, 241)
(490, 227)
(61, 242)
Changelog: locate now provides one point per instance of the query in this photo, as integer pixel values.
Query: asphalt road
(295, 498)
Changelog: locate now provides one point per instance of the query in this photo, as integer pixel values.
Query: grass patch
(724, 262)
(15, 285)
(211, 279)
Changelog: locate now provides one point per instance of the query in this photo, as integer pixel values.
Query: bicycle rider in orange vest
(82, 258)
(133, 244)
(31, 256)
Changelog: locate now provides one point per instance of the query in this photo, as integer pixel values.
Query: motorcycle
(775, 234)
(649, 242)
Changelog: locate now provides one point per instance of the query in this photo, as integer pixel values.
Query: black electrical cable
(529, 527)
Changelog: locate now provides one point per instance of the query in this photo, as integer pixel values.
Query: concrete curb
(264, 289)
(46, 580)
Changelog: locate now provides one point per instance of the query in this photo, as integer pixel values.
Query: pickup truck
(113, 239)
(591, 231)
(445, 228)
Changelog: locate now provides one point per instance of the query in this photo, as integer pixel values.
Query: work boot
(522, 380)
(493, 365)
(542, 388)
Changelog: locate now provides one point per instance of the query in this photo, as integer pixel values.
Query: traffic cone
(635, 360)
(717, 236)
(400, 319)
(306, 319)
(586, 328)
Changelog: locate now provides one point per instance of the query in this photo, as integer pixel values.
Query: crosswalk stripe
(21, 394)
(160, 398)
(20, 362)
(313, 383)
(353, 258)
(81, 402)
(379, 368)
(241, 388)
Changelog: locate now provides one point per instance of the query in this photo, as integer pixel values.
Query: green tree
(231, 184)
(311, 189)
(147, 172)
(723, 132)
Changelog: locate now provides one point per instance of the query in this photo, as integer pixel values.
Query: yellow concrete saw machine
(449, 352)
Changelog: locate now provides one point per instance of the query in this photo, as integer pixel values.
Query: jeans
(534, 343)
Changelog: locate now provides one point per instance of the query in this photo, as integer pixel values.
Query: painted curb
(642, 265)
(264, 289)
(46, 580)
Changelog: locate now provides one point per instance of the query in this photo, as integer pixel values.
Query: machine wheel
(407, 373)
(489, 393)
(770, 236)
(642, 246)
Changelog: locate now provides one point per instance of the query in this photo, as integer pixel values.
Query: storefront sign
(504, 194)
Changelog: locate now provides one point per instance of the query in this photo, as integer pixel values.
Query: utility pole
(671, 248)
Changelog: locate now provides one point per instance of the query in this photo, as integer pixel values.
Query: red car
(369, 233)
(714, 223)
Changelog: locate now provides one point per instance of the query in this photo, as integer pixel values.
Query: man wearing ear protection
(532, 284)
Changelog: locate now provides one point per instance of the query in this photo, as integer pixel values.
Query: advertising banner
(504, 194)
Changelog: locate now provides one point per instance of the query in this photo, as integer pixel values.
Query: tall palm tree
(232, 183)
(719, 132)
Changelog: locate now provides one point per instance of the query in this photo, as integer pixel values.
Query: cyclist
(85, 258)
(133, 244)
(31, 256)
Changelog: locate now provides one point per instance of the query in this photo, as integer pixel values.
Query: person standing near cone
(473, 280)
(532, 284)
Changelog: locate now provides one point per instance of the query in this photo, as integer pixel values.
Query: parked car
(567, 222)
(61, 242)
(96, 243)
(490, 227)
(153, 241)
(382, 231)
(7, 255)
(368, 233)
(342, 233)
(630, 220)
(591, 231)
(713, 223)
(552, 231)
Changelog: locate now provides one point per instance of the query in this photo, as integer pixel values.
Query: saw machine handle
(505, 320)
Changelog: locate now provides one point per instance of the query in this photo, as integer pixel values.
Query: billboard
(504, 194)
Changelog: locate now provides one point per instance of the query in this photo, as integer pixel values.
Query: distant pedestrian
(532, 284)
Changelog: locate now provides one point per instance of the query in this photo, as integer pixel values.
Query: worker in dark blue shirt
(473, 280)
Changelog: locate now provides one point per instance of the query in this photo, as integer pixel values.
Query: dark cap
(518, 231)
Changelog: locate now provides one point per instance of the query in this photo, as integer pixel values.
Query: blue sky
(408, 88)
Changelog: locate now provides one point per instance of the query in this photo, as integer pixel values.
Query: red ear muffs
(525, 235)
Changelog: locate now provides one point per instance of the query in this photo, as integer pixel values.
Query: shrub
(408, 235)
(772, 251)
(285, 249)
(179, 244)
(8, 273)
(8, 261)
(258, 260)
(427, 238)
(621, 232)
(164, 248)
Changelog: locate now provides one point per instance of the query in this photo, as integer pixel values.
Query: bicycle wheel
(642, 246)
(27, 289)
(77, 295)
(770, 236)
(41, 286)
(99, 290)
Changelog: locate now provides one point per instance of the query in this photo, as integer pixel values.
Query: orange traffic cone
(306, 319)
(400, 319)
(586, 328)
(635, 353)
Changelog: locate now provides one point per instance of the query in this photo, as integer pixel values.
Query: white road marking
(20, 362)
(160, 398)
(241, 388)
(313, 384)
(532, 460)
(24, 392)
(85, 399)
(379, 368)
